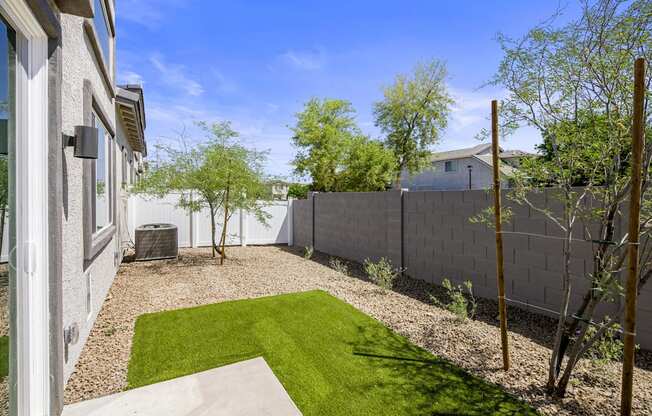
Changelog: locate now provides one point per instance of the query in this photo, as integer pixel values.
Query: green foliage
(461, 301)
(413, 113)
(4, 182)
(368, 166)
(298, 191)
(487, 217)
(325, 353)
(381, 273)
(574, 84)
(606, 348)
(335, 154)
(219, 174)
(308, 251)
(4, 357)
(338, 265)
(100, 188)
(321, 134)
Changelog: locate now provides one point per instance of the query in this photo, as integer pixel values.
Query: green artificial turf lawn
(331, 358)
(4, 357)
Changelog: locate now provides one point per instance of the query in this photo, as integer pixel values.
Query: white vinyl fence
(195, 228)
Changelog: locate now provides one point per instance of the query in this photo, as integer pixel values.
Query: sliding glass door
(24, 304)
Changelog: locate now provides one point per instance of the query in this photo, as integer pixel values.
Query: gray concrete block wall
(359, 225)
(302, 222)
(439, 241)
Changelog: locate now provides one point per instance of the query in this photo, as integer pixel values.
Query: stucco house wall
(80, 65)
(437, 179)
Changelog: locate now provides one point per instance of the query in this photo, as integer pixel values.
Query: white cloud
(175, 76)
(130, 77)
(148, 13)
(471, 113)
(224, 84)
(306, 60)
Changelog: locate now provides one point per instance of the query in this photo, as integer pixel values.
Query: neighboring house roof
(460, 153)
(131, 104)
(505, 169)
(508, 154)
(483, 154)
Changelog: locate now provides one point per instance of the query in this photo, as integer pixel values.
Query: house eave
(132, 113)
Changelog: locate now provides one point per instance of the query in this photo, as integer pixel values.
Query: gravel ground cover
(195, 279)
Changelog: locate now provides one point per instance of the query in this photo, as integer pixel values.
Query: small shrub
(338, 265)
(608, 348)
(308, 251)
(462, 302)
(109, 331)
(382, 273)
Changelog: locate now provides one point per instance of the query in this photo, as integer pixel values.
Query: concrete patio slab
(246, 388)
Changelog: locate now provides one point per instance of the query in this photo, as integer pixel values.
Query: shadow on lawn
(429, 385)
(535, 327)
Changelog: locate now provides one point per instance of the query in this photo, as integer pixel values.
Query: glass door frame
(30, 362)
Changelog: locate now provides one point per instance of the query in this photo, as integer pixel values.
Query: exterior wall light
(84, 141)
(4, 136)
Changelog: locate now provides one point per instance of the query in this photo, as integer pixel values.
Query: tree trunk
(563, 312)
(3, 213)
(213, 247)
(226, 219)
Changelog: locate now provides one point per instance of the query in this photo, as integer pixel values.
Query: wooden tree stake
(500, 274)
(631, 289)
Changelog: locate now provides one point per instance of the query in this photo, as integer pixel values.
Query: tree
(220, 175)
(4, 194)
(368, 166)
(321, 134)
(575, 85)
(335, 153)
(412, 115)
(298, 190)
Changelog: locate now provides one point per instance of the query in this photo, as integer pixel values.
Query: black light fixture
(4, 136)
(470, 168)
(85, 142)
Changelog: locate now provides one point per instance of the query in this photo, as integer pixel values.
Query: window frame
(453, 165)
(109, 32)
(109, 182)
(107, 69)
(96, 241)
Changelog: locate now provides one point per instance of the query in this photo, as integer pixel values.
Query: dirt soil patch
(196, 279)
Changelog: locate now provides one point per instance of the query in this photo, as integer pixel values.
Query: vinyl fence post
(631, 288)
(191, 222)
(314, 205)
(404, 191)
(290, 221)
(243, 228)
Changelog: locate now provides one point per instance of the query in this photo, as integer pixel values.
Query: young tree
(335, 153)
(220, 175)
(412, 115)
(4, 194)
(368, 166)
(321, 134)
(575, 85)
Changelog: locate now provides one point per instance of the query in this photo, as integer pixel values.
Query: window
(102, 184)
(101, 24)
(124, 169)
(450, 166)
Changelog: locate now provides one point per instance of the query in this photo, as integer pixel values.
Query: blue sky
(256, 62)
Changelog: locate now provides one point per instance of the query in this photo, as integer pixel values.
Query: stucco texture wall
(435, 178)
(79, 64)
